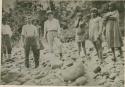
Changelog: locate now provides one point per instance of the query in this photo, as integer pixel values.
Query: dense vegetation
(64, 10)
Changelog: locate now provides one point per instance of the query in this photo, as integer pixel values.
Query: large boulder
(10, 76)
(73, 72)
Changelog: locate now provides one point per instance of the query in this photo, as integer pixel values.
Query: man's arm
(45, 29)
(58, 27)
(23, 34)
(36, 32)
(9, 31)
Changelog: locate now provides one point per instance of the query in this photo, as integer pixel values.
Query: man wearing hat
(51, 31)
(29, 36)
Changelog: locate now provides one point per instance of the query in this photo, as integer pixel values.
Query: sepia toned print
(62, 43)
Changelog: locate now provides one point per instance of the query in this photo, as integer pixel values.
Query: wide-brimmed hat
(95, 10)
(49, 12)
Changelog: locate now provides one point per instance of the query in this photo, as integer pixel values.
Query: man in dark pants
(6, 40)
(29, 36)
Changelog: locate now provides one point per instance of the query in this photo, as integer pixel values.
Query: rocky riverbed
(71, 70)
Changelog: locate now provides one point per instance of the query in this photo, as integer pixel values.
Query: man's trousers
(31, 44)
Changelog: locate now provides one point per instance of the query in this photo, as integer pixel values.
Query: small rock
(56, 64)
(37, 81)
(105, 74)
(68, 63)
(74, 58)
(113, 75)
(41, 75)
(4, 72)
(23, 79)
(102, 81)
(14, 83)
(97, 70)
(57, 82)
(2, 83)
(73, 84)
(121, 75)
(81, 81)
(29, 82)
(107, 84)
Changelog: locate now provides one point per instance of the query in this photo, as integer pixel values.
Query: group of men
(52, 31)
(31, 38)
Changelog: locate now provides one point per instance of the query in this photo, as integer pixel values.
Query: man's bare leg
(83, 46)
(113, 50)
(79, 47)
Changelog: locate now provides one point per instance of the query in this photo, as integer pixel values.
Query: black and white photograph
(63, 43)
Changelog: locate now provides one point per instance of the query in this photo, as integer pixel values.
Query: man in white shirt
(51, 31)
(6, 39)
(29, 36)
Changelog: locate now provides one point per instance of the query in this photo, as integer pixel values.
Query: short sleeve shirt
(29, 30)
(52, 25)
(6, 30)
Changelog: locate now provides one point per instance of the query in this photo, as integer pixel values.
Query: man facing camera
(29, 36)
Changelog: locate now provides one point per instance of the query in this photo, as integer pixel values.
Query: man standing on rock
(29, 36)
(52, 32)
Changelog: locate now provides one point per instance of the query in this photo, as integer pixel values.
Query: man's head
(35, 22)
(111, 6)
(28, 21)
(5, 21)
(94, 12)
(79, 14)
(50, 15)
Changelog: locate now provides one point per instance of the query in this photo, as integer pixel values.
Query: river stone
(97, 69)
(29, 82)
(81, 80)
(56, 64)
(68, 63)
(10, 76)
(4, 72)
(14, 83)
(102, 81)
(113, 75)
(23, 79)
(73, 72)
